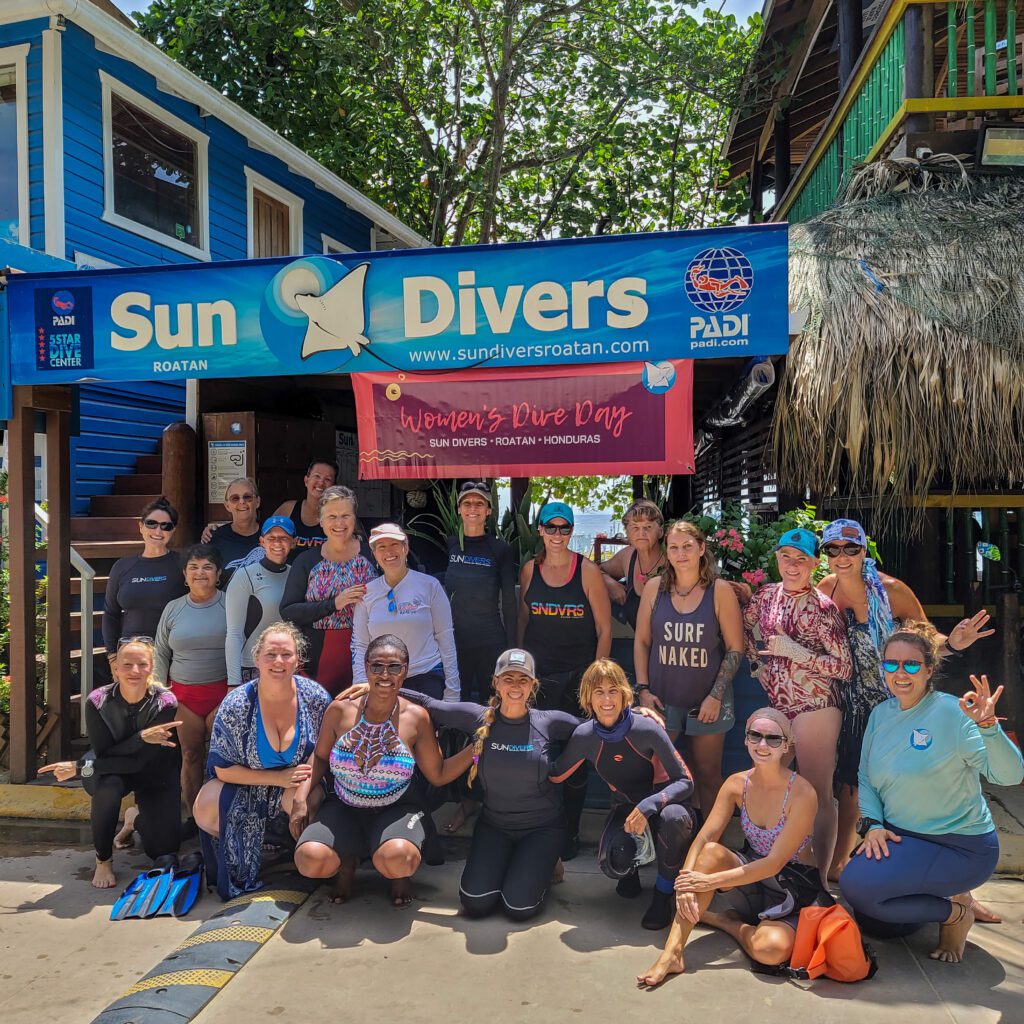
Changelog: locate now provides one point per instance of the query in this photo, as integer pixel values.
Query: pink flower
(755, 577)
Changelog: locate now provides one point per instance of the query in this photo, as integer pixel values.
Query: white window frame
(253, 181)
(17, 56)
(332, 245)
(112, 86)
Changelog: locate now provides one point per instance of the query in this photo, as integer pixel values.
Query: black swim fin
(185, 885)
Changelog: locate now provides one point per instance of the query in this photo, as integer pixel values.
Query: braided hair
(480, 736)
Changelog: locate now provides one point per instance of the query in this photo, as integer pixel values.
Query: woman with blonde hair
(649, 783)
(238, 540)
(766, 884)
(688, 648)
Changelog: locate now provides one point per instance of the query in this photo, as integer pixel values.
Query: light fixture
(1001, 145)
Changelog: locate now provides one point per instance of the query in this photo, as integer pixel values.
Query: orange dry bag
(828, 942)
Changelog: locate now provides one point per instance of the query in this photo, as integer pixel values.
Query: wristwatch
(640, 687)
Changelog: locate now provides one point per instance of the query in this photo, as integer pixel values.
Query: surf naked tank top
(560, 632)
(371, 765)
(686, 651)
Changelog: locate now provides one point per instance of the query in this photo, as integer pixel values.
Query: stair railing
(88, 575)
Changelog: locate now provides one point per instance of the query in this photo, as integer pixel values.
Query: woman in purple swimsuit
(768, 883)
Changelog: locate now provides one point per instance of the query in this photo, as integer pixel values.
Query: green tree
(487, 120)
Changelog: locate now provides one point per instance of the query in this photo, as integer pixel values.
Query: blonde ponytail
(481, 734)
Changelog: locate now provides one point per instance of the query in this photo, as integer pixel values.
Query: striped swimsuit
(371, 765)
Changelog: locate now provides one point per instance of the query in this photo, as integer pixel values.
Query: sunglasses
(552, 530)
(235, 499)
(140, 639)
(835, 550)
(158, 524)
(392, 668)
(392, 606)
(773, 739)
(910, 667)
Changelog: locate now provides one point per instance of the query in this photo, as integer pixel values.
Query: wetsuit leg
(911, 887)
(476, 667)
(159, 821)
(107, 792)
(616, 850)
(560, 692)
(490, 854)
(528, 877)
(673, 830)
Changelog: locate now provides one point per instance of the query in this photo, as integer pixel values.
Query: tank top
(306, 537)
(761, 840)
(560, 632)
(371, 765)
(686, 651)
(269, 757)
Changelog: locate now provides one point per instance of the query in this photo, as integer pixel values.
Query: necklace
(683, 594)
(645, 574)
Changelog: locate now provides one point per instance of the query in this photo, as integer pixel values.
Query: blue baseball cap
(802, 540)
(556, 510)
(283, 521)
(845, 529)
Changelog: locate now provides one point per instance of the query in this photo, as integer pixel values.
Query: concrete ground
(62, 960)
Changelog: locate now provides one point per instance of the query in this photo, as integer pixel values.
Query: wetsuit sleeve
(444, 637)
(509, 607)
(110, 625)
(680, 786)
(459, 715)
(360, 641)
(990, 752)
(162, 647)
(868, 798)
(236, 608)
(124, 756)
(294, 606)
(560, 725)
(580, 748)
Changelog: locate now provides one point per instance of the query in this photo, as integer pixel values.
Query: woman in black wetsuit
(131, 726)
(565, 618)
(650, 786)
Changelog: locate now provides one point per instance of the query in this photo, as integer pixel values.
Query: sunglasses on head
(773, 739)
(835, 550)
(158, 524)
(551, 530)
(140, 639)
(392, 668)
(911, 667)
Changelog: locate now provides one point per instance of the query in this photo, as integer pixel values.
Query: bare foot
(341, 890)
(125, 839)
(666, 964)
(558, 873)
(953, 932)
(401, 892)
(982, 913)
(104, 876)
(466, 810)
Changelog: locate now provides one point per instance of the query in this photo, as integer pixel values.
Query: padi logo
(63, 303)
(719, 280)
(729, 331)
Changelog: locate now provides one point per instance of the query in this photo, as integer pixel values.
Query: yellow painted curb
(50, 803)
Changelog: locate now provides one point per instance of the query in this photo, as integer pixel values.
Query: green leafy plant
(437, 527)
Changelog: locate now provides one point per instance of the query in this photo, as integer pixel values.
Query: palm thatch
(909, 376)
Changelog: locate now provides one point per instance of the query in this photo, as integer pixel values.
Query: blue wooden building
(112, 154)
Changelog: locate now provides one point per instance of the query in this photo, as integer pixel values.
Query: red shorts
(334, 672)
(199, 698)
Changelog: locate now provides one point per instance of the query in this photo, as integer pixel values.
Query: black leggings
(672, 829)
(511, 867)
(159, 803)
(560, 692)
(477, 658)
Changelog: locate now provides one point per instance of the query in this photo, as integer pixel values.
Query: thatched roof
(909, 376)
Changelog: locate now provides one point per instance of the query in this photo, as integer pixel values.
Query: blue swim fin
(124, 902)
(151, 889)
(186, 884)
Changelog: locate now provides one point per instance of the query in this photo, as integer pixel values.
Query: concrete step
(138, 483)
(95, 528)
(119, 505)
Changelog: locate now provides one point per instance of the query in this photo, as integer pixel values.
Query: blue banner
(615, 298)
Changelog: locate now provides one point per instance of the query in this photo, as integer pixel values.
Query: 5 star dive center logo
(64, 329)
(316, 307)
(718, 281)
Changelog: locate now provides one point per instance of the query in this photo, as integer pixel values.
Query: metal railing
(86, 597)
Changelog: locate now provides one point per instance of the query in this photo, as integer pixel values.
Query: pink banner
(610, 419)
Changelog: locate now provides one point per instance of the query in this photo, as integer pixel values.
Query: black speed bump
(197, 969)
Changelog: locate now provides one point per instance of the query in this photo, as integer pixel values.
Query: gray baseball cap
(516, 660)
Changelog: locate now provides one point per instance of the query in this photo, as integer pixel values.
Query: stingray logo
(316, 308)
(920, 739)
(659, 377)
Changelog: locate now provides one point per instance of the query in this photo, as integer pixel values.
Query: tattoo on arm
(729, 667)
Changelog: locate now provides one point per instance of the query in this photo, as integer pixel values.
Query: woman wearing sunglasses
(237, 541)
(929, 835)
(370, 750)
(412, 606)
(325, 585)
(872, 604)
(565, 621)
(141, 585)
(772, 879)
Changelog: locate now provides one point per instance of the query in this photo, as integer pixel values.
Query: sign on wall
(617, 298)
(613, 419)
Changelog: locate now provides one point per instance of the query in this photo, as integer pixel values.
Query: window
(332, 245)
(14, 219)
(154, 171)
(275, 218)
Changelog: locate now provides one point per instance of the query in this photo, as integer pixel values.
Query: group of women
(846, 664)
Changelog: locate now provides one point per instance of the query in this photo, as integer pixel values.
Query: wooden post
(851, 37)
(58, 585)
(21, 502)
(1008, 622)
(913, 60)
(638, 488)
(757, 193)
(783, 169)
(179, 470)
